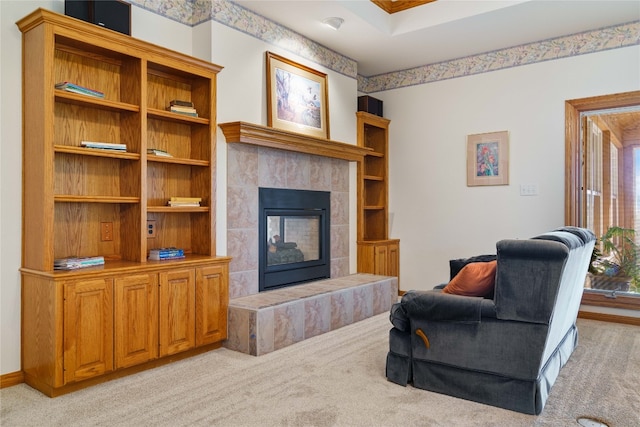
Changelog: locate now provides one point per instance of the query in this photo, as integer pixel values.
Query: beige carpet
(335, 379)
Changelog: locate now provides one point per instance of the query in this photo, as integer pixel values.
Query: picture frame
(297, 97)
(488, 159)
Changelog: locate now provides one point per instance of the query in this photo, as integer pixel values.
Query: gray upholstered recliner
(506, 351)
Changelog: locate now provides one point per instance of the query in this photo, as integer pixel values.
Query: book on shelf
(166, 253)
(104, 145)
(183, 110)
(74, 88)
(181, 103)
(73, 263)
(184, 201)
(183, 204)
(158, 152)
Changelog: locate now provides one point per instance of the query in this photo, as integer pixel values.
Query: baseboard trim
(11, 379)
(19, 377)
(613, 318)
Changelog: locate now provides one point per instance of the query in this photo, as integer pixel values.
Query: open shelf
(81, 151)
(175, 117)
(95, 199)
(372, 185)
(88, 101)
(377, 253)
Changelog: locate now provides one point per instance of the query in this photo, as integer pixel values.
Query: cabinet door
(88, 328)
(177, 311)
(381, 254)
(136, 319)
(212, 299)
(393, 260)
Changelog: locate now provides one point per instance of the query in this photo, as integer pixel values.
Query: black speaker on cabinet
(370, 105)
(112, 14)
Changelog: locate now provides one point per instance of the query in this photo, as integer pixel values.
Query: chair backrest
(534, 275)
(541, 280)
(572, 286)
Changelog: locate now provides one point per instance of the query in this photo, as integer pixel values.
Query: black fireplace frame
(291, 203)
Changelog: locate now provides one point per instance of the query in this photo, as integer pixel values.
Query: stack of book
(184, 201)
(73, 263)
(182, 107)
(72, 87)
(166, 253)
(104, 146)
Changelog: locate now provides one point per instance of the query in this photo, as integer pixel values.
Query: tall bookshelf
(87, 325)
(377, 253)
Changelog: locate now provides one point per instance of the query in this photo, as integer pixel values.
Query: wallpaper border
(226, 12)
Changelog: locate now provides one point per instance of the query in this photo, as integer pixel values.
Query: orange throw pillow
(476, 279)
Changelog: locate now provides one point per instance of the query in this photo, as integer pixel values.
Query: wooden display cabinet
(96, 323)
(377, 253)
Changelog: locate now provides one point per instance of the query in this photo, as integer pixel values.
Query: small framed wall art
(488, 159)
(297, 98)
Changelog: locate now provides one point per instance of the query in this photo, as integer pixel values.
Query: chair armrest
(398, 317)
(438, 306)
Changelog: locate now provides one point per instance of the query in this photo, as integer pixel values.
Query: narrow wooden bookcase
(88, 325)
(377, 253)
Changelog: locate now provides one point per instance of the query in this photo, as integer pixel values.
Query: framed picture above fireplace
(488, 159)
(297, 97)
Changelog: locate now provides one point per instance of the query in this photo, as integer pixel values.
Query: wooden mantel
(264, 136)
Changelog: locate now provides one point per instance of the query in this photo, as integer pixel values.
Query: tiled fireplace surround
(263, 322)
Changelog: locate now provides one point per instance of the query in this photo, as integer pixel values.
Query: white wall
(161, 31)
(435, 215)
(11, 176)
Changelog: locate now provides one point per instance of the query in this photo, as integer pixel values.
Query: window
(593, 176)
(603, 174)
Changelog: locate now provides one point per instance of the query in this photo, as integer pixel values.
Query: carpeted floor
(335, 379)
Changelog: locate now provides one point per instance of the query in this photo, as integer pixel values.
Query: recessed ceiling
(625, 125)
(624, 121)
(438, 31)
(393, 6)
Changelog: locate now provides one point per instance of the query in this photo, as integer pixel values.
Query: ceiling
(393, 6)
(438, 31)
(625, 125)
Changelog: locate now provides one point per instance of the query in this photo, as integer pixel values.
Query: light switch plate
(528, 189)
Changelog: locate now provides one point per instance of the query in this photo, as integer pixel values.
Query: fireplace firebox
(294, 230)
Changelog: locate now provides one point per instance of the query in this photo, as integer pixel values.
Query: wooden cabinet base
(379, 257)
(59, 391)
(76, 323)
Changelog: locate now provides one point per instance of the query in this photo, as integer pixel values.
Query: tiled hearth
(261, 322)
(268, 321)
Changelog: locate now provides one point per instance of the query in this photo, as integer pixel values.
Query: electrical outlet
(106, 231)
(151, 229)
